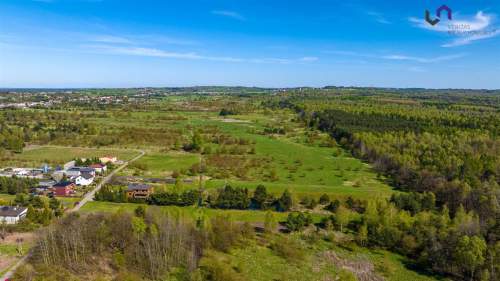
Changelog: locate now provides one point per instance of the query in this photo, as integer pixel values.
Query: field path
(11, 271)
(88, 197)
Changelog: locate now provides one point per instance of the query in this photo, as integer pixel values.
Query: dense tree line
(227, 197)
(14, 185)
(186, 198)
(435, 240)
(11, 138)
(446, 155)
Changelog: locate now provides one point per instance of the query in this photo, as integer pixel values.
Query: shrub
(298, 221)
(224, 233)
(288, 248)
(324, 199)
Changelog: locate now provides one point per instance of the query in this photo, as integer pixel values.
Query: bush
(224, 233)
(288, 248)
(232, 198)
(212, 269)
(298, 221)
(324, 199)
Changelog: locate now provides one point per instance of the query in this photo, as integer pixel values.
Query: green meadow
(189, 212)
(258, 262)
(303, 168)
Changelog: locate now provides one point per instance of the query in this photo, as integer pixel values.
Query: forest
(447, 155)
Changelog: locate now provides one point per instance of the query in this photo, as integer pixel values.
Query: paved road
(88, 197)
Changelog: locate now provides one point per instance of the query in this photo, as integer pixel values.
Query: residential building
(99, 168)
(108, 159)
(73, 172)
(139, 191)
(77, 171)
(58, 175)
(12, 215)
(84, 179)
(87, 170)
(69, 165)
(64, 189)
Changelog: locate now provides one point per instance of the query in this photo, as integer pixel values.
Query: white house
(84, 179)
(12, 215)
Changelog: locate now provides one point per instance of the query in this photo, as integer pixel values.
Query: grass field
(302, 168)
(257, 262)
(190, 212)
(66, 201)
(55, 155)
(6, 197)
(162, 164)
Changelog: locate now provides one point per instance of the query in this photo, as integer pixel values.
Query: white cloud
(143, 38)
(110, 39)
(464, 31)
(378, 17)
(423, 60)
(229, 14)
(167, 40)
(308, 59)
(417, 69)
(399, 57)
(152, 52)
(468, 39)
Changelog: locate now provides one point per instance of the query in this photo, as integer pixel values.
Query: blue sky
(271, 43)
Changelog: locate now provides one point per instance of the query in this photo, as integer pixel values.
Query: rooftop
(63, 184)
(11, 211)
(138, 186)
(87, 176)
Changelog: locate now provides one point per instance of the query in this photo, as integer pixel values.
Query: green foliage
(138, 244)
(111, 193)
(288, 248)
(232, 198)
(13, 185)
(342, 217)
(415, 202)
(470, 253)
(270, 223)
(11, 138)
(225, 233)
(285, 202)
(324, 199)
(297, 221)
(212, 269)
(186, 198)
